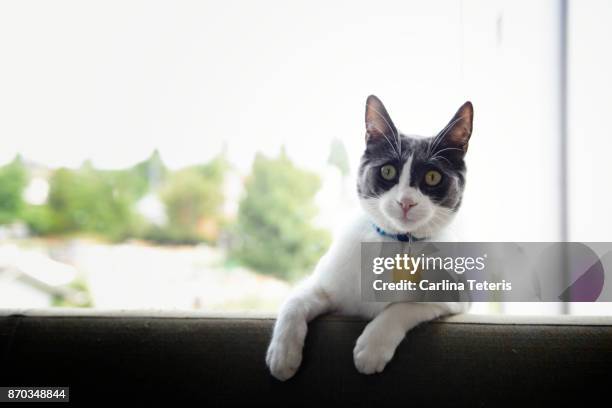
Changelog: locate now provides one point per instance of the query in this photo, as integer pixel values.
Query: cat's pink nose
(406, 204)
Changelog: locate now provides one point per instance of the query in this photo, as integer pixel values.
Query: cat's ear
(458, 131)
(377, 121)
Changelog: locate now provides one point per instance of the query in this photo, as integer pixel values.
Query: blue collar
(399, 237)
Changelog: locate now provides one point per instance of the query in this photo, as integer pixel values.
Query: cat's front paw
(372, 355)
(284, 358)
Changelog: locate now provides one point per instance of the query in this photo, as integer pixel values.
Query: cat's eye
(433, 178)
(388, 172)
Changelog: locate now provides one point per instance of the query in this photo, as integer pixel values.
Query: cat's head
(411, 184)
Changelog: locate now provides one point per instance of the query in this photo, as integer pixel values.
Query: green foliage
(39, 219)
(91, 201)
(144, 176)
(13, 180)
(81, 296)
(274, 232)
(102, 202)
(193, 198)
(133, 183)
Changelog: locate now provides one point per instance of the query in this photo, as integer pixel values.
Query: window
(155, 165)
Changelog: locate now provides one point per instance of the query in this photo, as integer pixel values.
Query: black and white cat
(409, 188)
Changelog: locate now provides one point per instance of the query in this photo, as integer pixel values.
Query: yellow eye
(433, 178)
(388, 172)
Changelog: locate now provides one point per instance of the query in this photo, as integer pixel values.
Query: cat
(409, 188)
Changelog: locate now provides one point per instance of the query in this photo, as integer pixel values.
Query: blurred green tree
(13, 180)
(136, 181)
(274, 232)
(193, 198)
(88, 200)
(146, 175)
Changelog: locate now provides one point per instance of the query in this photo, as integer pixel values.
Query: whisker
(437, 139)
(448, 148)
(444, 131)
(390, 144)
(440, 157)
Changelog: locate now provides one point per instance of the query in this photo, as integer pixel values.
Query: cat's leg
(377, 344)
(285, 351)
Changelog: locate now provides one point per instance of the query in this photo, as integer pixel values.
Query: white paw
(372, 355)
(284, 357)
